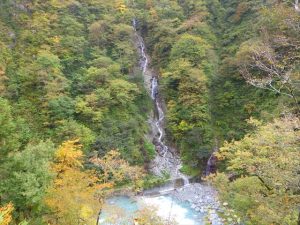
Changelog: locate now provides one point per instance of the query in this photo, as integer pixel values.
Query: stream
(179, 200)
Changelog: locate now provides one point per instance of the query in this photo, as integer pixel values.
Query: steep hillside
(74, 112)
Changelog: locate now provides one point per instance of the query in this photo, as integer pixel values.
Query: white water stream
(179, 200)
(167, 159)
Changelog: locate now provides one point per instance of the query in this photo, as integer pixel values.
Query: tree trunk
(98, 217)
(297, 6)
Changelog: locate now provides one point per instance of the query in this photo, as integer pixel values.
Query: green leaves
(67, 70)
(47, 60)
(61, 108)
(71, 129)
(264, 165)
(122, 92)
(186, 89)
(9, 135)
(178, 37)
(190, 47)
(28, 175)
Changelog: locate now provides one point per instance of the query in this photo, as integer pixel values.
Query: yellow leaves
(262, 168)
(68, 156)
(254, 122)
(115, 169)
(5, 214)
(86, 212)
(250, 108)
(56, 39)
(41, 20)
(184, 126)
(62, 3)
(74, 195)
(86, 108)
(171, 104)
(149, 216)
(120, 5)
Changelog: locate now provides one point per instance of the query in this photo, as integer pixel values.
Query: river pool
(121, 210)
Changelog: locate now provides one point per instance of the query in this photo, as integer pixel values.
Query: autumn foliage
(77, 194)
(73, 197)
(117, 170)
(5, 214)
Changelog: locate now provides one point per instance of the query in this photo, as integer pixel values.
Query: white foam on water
(168, 208)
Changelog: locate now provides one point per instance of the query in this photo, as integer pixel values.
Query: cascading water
(166, 160)
(188, 204)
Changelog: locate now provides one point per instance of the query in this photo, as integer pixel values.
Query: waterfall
(166, 160)
(154, 85)
(297, 6)
(188, 204)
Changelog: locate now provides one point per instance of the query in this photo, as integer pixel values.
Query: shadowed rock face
(211, 166)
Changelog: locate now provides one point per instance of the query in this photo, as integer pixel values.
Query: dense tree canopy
(66, 72)
(74, 110)
(222, 63)
(264, 168)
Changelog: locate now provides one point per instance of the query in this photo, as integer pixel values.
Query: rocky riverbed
(202, 198)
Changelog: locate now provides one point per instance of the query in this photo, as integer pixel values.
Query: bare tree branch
(262, 69)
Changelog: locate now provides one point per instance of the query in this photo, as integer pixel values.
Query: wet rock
(158, 148)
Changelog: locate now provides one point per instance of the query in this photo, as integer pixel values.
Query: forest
(74, 109)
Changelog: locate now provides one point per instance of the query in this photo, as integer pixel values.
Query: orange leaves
(5, 214)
